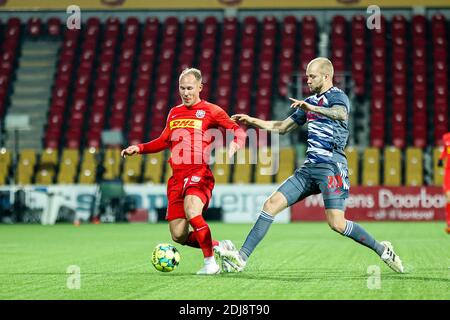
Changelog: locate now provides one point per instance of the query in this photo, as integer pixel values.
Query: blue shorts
(330, 179)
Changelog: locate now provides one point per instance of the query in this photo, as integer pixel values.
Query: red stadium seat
(34, 27)
(54, 26)
(117, 121)
(51, 142)
(109, 74)
(377, 117)
(399, 137)
(242, 106)
(399, 91)
(377, 136)
(439, 131)
(440, 105)
(419, 136)
(399, 104)
(440, 90)
(377, 105)
(419, 26)
(398, 26)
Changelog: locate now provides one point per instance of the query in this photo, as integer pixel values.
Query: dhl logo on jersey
(186, 123)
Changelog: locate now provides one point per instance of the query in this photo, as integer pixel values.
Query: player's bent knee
(336, 220)
(275, 204)
(192, 212)
(179, 238)
(193, 206)
(270, 206)
(338, 227)
(179, 235)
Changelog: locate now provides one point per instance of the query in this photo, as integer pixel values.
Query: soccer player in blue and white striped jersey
(324, 170)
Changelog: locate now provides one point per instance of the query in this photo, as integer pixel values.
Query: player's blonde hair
(325, 66)
(195, 72)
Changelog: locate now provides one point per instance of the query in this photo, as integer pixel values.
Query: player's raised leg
(272, 206)
(296, 187)
(334, 185)
(384, 249)
(179, 229)
(193, 207)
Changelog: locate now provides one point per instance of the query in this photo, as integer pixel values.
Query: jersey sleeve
(299, 117)
(341, 99)
(222, 119)
(158, 144)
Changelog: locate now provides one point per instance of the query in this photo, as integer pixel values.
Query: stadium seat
(221, 168)
(266, 166)
(353, 165)
(167, 173)
(399, 131)
(242, 173)
(242, 169)
(49, 157)
(132, 169)
(104, 64)
(68, 167)
(438, 172)
(419, 130)
(371, 167)
(111, 164)
(5, 157)
(153, 167)
(377, 134)
(47, 166)
(3, 177)
(88, 170)
(392, 167)
(54, 27)
(45, 176)
(25, 168)
(263, 174)
(286, 166)
(398, 25)
(414, 167)
(5, 162)
(34, 27)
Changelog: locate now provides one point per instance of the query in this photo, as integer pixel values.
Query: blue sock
(255, 235)
(357, 233)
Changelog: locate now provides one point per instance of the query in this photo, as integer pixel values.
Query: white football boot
(224, 245)
(390, 258)
(209, 268)
(233, 260)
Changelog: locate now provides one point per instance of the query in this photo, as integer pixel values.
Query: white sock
(210, 260)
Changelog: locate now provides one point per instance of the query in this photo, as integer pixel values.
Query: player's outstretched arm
(129, 151)
(279, 126)
(223, 120)
(154, 146)
(336, 112)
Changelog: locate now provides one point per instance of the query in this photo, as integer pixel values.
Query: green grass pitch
(295, 261)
